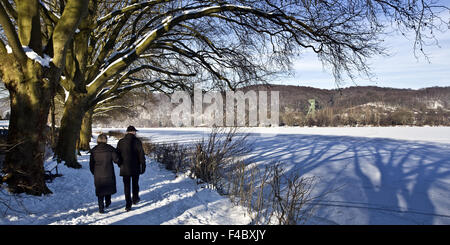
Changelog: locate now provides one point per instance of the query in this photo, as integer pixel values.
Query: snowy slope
(398, 175)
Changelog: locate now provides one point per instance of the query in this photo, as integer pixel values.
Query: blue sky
(399, 70)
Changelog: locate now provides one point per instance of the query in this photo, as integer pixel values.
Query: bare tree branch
(11, 34)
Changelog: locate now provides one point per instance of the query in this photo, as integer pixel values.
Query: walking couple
(129, 156)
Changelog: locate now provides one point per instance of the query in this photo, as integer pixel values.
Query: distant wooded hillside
(363, 106)
(353, 106)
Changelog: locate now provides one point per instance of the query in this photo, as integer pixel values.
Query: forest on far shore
(353, 106)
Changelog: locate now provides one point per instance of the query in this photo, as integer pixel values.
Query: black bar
(211, 234)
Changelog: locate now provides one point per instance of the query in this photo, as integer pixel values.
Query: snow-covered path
(165, 199)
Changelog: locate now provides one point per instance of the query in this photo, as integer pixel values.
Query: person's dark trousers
(135, 189)
(102, 200)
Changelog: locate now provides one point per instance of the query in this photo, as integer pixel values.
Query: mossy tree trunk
(77, 103)
(86, 131)
(30, 91)
(69, 131)
(30, 77)
(30, 104)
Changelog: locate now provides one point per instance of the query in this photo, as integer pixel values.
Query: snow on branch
(108, 99)
(44, 61)
(130, 8)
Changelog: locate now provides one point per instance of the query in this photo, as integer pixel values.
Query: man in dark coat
(132, 165)
(101, 166)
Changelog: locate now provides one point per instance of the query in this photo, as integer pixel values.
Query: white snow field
(392, 175)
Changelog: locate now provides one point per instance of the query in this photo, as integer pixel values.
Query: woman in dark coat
(101, 166)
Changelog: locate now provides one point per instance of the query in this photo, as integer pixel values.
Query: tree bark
(24, 162)
(86, 131)
(31, 87)
(69, 131)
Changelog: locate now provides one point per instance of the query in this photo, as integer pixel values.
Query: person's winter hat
(131, 129)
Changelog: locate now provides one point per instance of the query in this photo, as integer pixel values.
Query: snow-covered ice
(393, 175)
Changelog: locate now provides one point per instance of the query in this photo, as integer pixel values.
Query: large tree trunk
(24, 162)
(69, 131)
(86, 132)
(30, 78)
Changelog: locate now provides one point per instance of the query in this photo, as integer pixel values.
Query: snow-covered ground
(394, 175)
(165, 199)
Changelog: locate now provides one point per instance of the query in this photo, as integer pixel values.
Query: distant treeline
(353, 106)
(359, 106)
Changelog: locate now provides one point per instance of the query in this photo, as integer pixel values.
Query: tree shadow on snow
(387, 181)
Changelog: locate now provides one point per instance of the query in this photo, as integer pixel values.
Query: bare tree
(97, 46)
(228, 43)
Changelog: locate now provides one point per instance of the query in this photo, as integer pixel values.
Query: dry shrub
(290, 196)
(7, 199)
(271, 196)
(213, 156)
(173, 156)
(206, 160)
(242, 183)
(11, 203)
(116, 134)
(149, 147)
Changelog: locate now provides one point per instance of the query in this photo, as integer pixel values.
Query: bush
(324, 117)
(290, 117)
(210, 158)
(272, 196)
(149, 147)
(350, 121)
(336, 121)
(290, 197)
(116, 134)
(402, 117)
(173, 156)
(310, 121)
